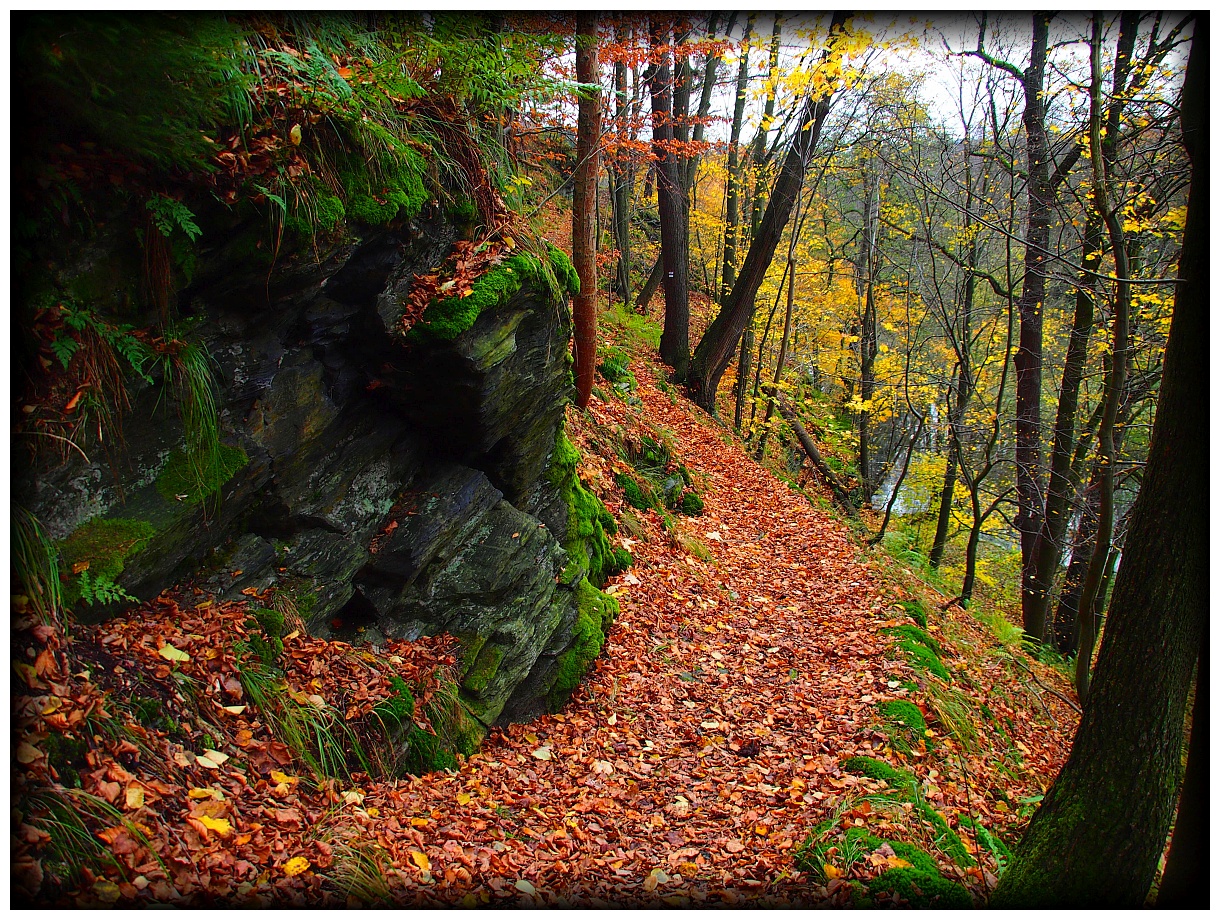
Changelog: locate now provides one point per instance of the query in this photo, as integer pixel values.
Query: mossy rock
(446, 318)
(691, 504)
(101, 547)
(588, 548)
(191, 483)
(378, 201)
(916, 634)
(482, 668)
(595, 612)
(637, 496)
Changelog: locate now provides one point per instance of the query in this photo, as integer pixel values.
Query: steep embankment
(708, 757)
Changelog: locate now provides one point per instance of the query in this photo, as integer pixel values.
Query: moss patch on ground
(100, 547)
(184, 481)
(921, 650)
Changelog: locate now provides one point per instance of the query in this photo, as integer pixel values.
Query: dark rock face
(391, 488)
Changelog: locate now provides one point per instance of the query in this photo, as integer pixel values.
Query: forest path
(706, 741)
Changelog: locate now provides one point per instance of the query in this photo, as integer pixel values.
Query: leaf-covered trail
(707, 740)
(703, 746)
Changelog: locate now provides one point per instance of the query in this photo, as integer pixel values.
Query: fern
(169, 214)
(101, 590)
(64, 348)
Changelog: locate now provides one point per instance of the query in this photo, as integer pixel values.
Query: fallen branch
(1050, 690)
(841, 492)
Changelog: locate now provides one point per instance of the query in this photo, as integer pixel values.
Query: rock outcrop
(380, 483)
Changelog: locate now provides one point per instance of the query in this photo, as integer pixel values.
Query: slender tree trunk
(1049, 545)
(1100, 832)
(719, 343)
(743, 376)
(1028, 359)
(675, 342)
(1118, 361)
(732, 204)
(956, 417)
(621, 193)
(584, 242)
(865, 281)
(783, 351)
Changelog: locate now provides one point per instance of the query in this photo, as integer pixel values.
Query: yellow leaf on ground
(200, 793)
(421, 860)
(169, 653)
(296, 866)
(278, 777)
(463, 798)
(135, 797)
(895, 862)
(832, 871)
(419, 822)
(219, 825)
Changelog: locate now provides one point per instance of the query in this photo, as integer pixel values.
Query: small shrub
(633, 493)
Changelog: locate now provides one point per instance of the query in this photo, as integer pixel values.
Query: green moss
(621, 560)
(999, 849)
(181, 478)
(451, 720)
(691, 503)
(271, 621)
(595, 612)
(923, 658)
(564, 270)
(915, 634)
(377, 201)
(588, 548)
(448, 317)
(898, 780)
(101, 546)
(916, 611)
(329, 211)
(463, 211)
(484, 666)
(922, 889)
(396, 709)
(904, 713)
(905, 785)
(633, 493)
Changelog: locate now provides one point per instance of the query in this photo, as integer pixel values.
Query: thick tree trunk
(1185, 883)
(1028, 360)
(719, 343)
(671, 203)
(1101, 830)
(584, 195)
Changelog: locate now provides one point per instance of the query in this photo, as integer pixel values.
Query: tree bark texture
(621, 174)
(584, 196)
(1028, 359)
(1099, 834)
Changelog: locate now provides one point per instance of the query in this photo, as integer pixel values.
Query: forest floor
(706, 746)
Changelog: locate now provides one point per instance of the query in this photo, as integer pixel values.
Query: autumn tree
(1101, 830)
(719, 343)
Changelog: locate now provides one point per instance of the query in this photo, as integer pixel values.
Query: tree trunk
(584, 195)
(719, 343)
(1049, 545)
(840, 490)
(732, 204)
(1101, 830)
(671, 203)
(1185, 882)
(743, 375)
(865, 280)
(1028, 360)
(621, 192)
(783, 350)
(1118, 360)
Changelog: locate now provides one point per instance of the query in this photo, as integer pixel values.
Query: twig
(1050, 690)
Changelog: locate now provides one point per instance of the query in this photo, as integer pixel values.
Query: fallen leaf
(542, 753)
(525, 887)
(135, 797)
(27, 753)
(421, 860)
(296, 866)
(219, 825)
(169, 653)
